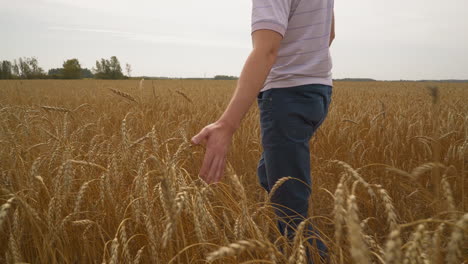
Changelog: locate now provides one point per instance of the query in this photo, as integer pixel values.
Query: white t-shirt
(304, 54)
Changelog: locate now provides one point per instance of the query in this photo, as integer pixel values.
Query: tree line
(28, 68)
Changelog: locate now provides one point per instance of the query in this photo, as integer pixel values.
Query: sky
(380, 39)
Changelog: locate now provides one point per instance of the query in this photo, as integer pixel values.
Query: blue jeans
(288, 119)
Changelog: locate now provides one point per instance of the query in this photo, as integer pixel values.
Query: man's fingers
(212, 172)
(207, 161)
(200, 136)
(223, 167)
(213, 165)
(220, 170)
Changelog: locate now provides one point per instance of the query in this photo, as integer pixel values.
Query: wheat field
(103, 172)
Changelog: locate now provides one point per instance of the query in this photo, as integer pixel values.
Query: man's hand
(217, 138)
(218, 135)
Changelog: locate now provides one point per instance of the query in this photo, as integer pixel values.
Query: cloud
(85, 3)
(157, 38)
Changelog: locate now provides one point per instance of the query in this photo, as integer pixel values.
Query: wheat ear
(55, 108)
(454, 254)
(5, 209)
(236, 248)
(359, 250)
(124, 95)
(278, 184)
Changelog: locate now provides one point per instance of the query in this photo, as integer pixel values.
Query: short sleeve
(270, 14)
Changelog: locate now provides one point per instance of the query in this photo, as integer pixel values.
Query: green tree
(128, 69)
(116, 69)
(98, 70)
(15, 69)
(102, 70)
(108, 69)
(6, 70)
(225, 77)
(86, 73)
(24, 68)
(72, 69)
(28, 68)
(55, 73)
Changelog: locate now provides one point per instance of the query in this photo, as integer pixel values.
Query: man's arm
(256, 69)
(218, 135)
(332, 33)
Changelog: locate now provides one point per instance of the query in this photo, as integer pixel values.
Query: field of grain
(103, 172)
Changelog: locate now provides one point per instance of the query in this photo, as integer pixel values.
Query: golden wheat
(86, 177)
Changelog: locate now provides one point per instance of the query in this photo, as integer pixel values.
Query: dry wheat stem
(393, 254)
(4, 209)
(412, 253)
(124, 95)
(184, 96)
(55, 108)
(454, 254)
(359, 250)
(339, 211)
(278, 184)
(238, 247)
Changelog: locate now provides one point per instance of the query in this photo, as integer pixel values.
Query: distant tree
(357, 80)
(128, 69)
(72, 69)
(1, 70)
(28, 68)
(58, 73)
(6, 70)
(15, 69)
(86, 73)
(102, 70)
(36, 71)
(55, 73)
(24, 68)
(98, 70)
(116, 69)
(108, 69)
(225, 77)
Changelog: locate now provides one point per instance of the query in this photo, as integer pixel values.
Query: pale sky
(381, 39)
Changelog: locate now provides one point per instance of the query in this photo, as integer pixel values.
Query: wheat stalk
(454, 254)
(299, 254)
(234, 249)
(447, 191)
(389, 208)
(436, 254)
(151, 235)
(392, 253)
(278, 184)
(339, 211)
(6, 207)
(352, 172)
(412, 253)
(141, 84)
(124, 238)
(139, 255)
(114, 251)
(55, 108)
(184, 96)
(124, 95)
(80, 196)
(87, 163)
(359, 250)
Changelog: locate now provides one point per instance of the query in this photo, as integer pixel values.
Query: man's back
(305, 25)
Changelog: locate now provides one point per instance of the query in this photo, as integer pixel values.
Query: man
(289, 71)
